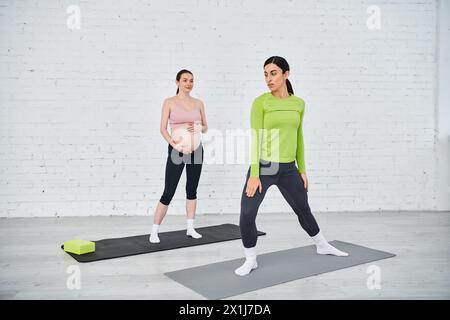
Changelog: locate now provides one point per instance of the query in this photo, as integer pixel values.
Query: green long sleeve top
(277, 131)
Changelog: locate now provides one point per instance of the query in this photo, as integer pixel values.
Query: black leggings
(174, 168)
(290, 183)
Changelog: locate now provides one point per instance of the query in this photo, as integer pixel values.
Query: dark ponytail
(179, 74)
(284, 66)
(289, 87)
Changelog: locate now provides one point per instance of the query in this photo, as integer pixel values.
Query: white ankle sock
(323, 247)
(191, 231)
(249, 264)
(154, 235)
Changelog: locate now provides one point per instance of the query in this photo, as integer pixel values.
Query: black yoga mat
(128, 246)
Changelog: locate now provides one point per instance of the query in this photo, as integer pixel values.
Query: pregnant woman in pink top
(186, 116)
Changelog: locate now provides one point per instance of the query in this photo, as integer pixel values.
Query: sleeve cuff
(254, 171)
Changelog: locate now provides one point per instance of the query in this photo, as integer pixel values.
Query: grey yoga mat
(217, 280)
(128, 246)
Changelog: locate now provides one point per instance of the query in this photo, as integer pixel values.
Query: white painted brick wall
(80, 109)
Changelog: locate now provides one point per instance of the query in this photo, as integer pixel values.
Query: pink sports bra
(178, 116)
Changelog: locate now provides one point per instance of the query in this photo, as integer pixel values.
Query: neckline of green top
(277, 98)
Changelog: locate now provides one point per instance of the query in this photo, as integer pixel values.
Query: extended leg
(292, 188)
(193, 172)
(172, 177)
(249, 232)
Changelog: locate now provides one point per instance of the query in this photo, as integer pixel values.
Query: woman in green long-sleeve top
(277, 144)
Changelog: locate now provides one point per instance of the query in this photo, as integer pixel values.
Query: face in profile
(274, 76)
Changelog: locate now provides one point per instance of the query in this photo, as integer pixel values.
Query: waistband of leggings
(200, 146)
(270, 163)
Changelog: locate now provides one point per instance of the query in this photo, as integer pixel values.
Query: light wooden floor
(32, 265)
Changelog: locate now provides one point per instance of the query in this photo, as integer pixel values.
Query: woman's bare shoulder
(169, 102)
(199, 103)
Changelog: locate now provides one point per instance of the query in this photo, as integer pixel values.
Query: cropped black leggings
(174, 168)
(290, 183)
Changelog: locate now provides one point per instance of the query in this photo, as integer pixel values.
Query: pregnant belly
(189, 141)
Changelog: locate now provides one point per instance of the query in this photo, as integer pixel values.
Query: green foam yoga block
(78, 246)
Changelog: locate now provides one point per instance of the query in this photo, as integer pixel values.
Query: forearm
(301, 166)
(300, 156)
(256, 125)
(167, 136)
(255, 152)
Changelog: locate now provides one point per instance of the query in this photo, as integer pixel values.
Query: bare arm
(164, 120)
(203, 114)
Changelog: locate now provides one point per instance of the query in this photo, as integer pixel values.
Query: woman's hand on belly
(188, 141)
(192, 127)
(187, 126)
